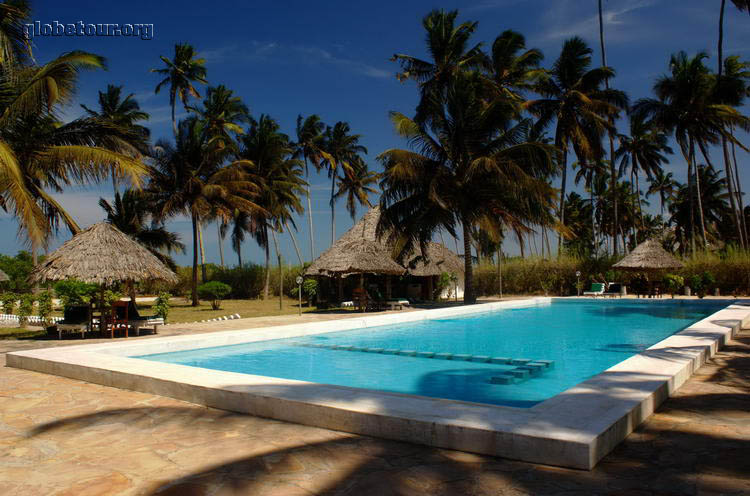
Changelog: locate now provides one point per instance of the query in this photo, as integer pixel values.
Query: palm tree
(357, 187)
(450, 52)
(269, 154)
(342, 152)
(131, 213)
(512, 68)
(574, 98)
(664, 185)
(685, 106)
(15, 46)
(469, 168)
(588, 172)
(612, 174)
(188, 178)
(125, 114)
(180, 74)
(38, 153)
(642, 150)
(742, 5)
(309, 146)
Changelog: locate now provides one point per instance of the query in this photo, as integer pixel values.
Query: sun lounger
(75, 319)
(597, 289)
(614, 290)
(396, 304)
(138, 322)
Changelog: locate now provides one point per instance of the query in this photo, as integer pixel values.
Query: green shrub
(9, 302)
(310, 289)
(161, 305)
(246, 282)
(444, 282)
(695, 282)
(45, 307)
(674, 283)
(73, 292)
(25, 308)
(214, 291)
(18, 269)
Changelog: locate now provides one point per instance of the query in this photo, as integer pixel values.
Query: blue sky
(331, 58)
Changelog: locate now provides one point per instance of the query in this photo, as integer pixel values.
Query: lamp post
(299, 283)
(578, 282)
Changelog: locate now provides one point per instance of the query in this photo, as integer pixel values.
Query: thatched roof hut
(360, 247)
(648, 256)
(103, 255)
(3, 276)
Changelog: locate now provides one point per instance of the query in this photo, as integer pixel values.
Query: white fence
(31, 319)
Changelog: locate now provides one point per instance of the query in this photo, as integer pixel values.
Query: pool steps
(526, 368)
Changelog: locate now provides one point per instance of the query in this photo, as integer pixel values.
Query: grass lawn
(17, 332)
(180, 310)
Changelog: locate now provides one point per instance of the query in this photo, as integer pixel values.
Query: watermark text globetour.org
(80, 28)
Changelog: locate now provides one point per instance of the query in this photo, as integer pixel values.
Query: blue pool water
(581, 338)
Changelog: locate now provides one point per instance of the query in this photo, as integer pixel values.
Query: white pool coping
(575, 429)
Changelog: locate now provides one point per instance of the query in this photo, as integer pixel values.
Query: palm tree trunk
(564, 162)
(194, 283)
(268, 265)
(721, 37)
(740, 202)
(203, 253)
(174, 121)
(688, 159)
(546, 236)
(239, 254)
(700, 200)
(613, 177)
(730, 188)
(309, 213)
(333, 209)
(638, 199)
(593, 216)
(632, 193)
(500, 270)
(221, 245)
(521, 244)
(294, 243)
(469, 297)
(281, 270)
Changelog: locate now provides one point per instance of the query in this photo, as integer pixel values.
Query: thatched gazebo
(4, 277)
(361, 251)
(650, 258)
(102, 255)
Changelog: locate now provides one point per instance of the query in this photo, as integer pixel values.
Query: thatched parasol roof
(354, 257)
(102, 254)
(360, 247)
(4, 276)
(648, 256)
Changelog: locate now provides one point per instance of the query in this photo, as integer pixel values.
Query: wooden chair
(119, 318)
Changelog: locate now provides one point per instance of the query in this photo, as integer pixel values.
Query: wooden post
(340, 287)
(388, 287)
(430, 288)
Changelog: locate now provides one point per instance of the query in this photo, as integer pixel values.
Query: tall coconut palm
(613, 176)
(742, 5)
(189, 178)
(588, 172)
(451, 52)
(468, 168)
(512, 67)
(342, 152)
(124, 113)
(357, 186)
(664, 185)
(574, 97)
(309, 147)
(269, 153)
(131, 213)
(180, 73)
(685, 107)
(644, 150)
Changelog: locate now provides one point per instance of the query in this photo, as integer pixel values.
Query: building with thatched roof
(648, 256)
(361, 251)
(102, 255)
(4, 277)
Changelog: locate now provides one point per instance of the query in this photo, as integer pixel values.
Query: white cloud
(560, 21)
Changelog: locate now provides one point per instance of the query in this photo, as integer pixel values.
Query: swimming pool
(574, 428)
(512, 357)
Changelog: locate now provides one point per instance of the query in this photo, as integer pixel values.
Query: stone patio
(61, 436)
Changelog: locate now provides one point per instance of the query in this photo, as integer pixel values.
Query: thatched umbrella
(102, 255)
(3, 276)
(648, 256)
(436, 260)
(354, 257)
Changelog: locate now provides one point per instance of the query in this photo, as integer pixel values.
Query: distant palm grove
(494, 127)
